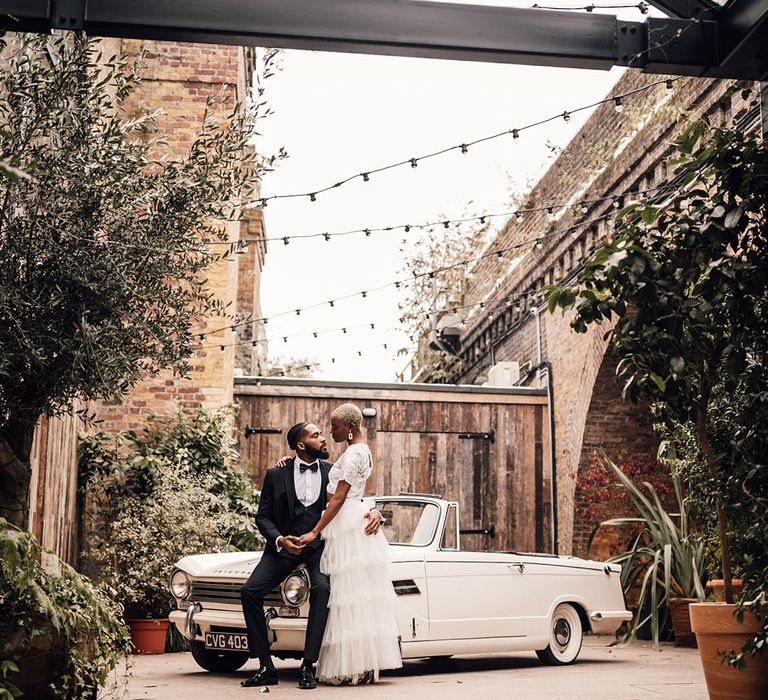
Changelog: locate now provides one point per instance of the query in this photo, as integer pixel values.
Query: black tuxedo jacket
(278, 497)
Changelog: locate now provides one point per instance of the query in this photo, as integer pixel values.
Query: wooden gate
(487, 448)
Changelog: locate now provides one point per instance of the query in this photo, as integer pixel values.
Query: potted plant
(153, 498)
(61, 635)
(666, 558)
(684, 280)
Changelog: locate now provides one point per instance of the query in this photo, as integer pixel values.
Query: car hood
(223, 565)
(241, 564)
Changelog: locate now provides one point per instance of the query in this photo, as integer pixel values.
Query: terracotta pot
(148, 636)
(717, 586)
(681, 621)
(718, 631)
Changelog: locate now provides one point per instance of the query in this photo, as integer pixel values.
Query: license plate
(226, 641)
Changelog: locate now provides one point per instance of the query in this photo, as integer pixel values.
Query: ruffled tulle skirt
(361, 633)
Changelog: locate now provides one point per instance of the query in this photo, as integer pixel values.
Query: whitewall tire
(565, 637)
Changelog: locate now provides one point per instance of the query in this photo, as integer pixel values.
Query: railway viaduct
(616, 153)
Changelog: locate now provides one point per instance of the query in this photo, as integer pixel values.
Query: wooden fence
(417, 445)
(53, 514)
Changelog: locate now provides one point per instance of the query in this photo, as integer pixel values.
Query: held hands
(290, 543)
(305, 539)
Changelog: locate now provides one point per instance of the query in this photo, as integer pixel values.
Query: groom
(292, 500)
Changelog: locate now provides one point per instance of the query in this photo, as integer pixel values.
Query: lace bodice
(354, 467)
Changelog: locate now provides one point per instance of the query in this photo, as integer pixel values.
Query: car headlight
(295, 589)
(179, 584)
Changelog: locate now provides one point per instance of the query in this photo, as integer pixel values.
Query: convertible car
(449, 601)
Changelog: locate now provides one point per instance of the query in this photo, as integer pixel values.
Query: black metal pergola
(696, 38)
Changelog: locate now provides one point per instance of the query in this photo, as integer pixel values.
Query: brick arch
(619, 428)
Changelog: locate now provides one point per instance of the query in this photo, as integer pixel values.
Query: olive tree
(102, 256)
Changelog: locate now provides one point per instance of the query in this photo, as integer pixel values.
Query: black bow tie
(312, 467)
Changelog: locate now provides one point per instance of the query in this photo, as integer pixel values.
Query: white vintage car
(449, 601)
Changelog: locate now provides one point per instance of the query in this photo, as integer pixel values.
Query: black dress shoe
(307, 678)
(264, 676)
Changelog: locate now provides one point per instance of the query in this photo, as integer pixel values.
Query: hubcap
(562, 632)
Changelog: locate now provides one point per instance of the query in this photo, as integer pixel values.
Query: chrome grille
(227, 592)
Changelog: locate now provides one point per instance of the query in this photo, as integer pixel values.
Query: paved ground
(601, 673)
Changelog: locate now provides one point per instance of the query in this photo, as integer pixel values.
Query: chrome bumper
(287, 633)
(607, 621)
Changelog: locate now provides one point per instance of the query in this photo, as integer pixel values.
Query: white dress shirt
(307, 485)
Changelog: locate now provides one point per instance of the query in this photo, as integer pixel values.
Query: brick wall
(178, 78)
(618, 429)
(612, 154)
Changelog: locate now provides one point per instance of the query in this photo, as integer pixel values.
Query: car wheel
(217, 661)
(565, 637)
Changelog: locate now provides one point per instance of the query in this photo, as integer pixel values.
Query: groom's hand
(374, 522)
(290, 543)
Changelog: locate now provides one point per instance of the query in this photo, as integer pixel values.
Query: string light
(413, 161)
(618, 105)
(479, 218)
(643, 7)
(566, 117)
(431, 273)
(508, 300)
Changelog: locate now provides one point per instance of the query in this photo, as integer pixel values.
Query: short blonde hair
(349, 414)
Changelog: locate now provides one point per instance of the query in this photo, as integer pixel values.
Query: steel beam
(731, 45)
(686, 9)
(743, 35)
(390, 27)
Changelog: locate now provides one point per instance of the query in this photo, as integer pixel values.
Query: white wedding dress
(361, 634)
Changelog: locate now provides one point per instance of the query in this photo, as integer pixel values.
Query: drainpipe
(553, 477)
(535, 312)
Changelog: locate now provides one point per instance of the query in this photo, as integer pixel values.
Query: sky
(342, 114)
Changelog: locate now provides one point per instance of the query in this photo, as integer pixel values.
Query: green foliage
(8, 689)
(686, 285)
(103, 259)
(742, 487)
(46, 607)
(156, 497)
(666, 557)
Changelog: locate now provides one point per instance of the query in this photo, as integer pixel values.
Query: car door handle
(519, 565)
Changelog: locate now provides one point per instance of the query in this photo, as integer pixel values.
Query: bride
(361, 636)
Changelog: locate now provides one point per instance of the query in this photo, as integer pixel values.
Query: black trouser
(268, 573)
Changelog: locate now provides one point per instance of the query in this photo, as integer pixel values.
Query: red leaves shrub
(599, 498)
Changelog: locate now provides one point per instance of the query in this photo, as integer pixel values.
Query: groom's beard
(317, 453)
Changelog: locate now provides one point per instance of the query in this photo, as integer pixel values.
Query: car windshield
(409, 522)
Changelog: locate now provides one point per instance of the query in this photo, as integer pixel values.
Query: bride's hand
(307, 538)
(283, 461)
